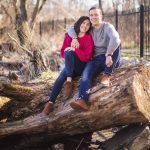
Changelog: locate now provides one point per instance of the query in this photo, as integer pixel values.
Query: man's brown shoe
(105, 80)
(68, 89)
(48, 108)
(79, 105)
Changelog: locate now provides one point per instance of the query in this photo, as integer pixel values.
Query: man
(106, 56)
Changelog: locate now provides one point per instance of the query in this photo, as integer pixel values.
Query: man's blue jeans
(94, 67)
(73, 67)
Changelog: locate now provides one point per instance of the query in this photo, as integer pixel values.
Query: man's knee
(86, 77)
(88, 73)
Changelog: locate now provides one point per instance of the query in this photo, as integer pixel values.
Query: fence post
(116, 19)
(141, 30)
(100, 6)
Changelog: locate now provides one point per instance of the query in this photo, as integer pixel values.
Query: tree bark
(126, 101)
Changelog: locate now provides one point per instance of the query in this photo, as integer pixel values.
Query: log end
(141, 91)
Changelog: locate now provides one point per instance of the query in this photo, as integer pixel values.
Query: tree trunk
(22, 26)
(37, 9)
(24, 34)
(126, 101)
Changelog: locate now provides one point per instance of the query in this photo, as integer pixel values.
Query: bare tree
(24, 33)
(36, 11)
(22, 22)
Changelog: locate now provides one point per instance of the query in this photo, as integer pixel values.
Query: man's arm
(114, 40)
(109, 61)
(72, 32)
(73, 35)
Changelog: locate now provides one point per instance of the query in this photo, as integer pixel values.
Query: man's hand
(75, 43)
(109, 61)
(70, 49)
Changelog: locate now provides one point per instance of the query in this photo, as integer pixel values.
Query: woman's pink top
(85, 50)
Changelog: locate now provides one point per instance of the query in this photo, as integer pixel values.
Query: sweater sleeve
(71, 32)
(66, 43)
(86, 53)
(114, 40)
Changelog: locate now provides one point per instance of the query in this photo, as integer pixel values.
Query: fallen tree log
(11, 65)
(124, 137)
(125, 101)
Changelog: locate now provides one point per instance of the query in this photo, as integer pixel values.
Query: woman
(75, 60)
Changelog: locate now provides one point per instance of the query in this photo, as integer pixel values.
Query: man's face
(95, 17)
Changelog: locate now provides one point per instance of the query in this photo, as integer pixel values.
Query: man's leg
(86, 80)
(88, 74)
(109, 70)
(116, 61)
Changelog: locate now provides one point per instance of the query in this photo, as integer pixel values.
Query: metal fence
(133, 27)
(134, 30)
(55, 26)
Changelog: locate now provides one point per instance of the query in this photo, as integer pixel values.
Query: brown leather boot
(48, 108)
(79, 104)
(105, 80)
(68, 89)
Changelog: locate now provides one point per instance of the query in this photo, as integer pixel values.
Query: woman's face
(84, 27)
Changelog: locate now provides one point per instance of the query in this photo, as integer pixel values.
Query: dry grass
(46, 75)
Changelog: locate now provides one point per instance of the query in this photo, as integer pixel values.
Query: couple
(77, 50)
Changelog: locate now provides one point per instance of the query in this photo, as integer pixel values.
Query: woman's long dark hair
(79, 22)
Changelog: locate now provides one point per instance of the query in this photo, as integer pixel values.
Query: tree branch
(26, 50)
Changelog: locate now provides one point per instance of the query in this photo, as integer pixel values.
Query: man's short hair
(94, 7)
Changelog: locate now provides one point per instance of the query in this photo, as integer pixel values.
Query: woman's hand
(109, 61)
(70, 49)
(75, 43)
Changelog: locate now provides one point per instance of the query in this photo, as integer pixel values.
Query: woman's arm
(85, 54)
(66, 43)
